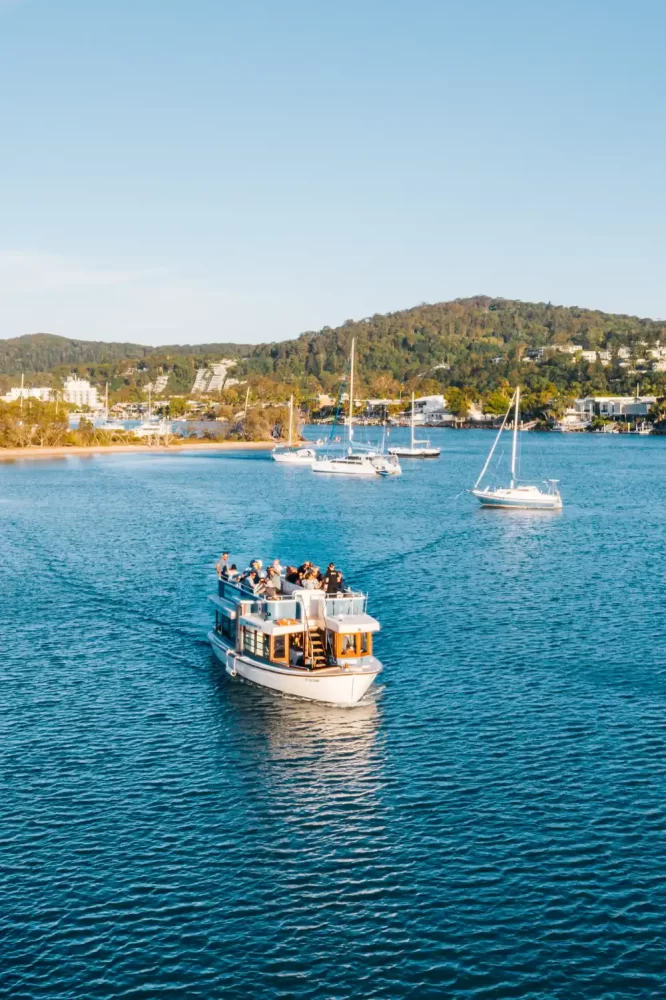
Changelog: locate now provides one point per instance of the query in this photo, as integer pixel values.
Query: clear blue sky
(193, 170)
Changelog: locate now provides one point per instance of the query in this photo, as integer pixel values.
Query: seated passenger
(333, 581)
(309, 581)
(272, 584)
(292, 575)
(278, 567)
(252, 581)
(232, 572)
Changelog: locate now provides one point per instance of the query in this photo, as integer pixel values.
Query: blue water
(489, 824)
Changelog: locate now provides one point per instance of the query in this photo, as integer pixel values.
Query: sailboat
(289, 456)
(522, 497)
(417, 449)
(109, 425)
(356, 463)
(153, 427)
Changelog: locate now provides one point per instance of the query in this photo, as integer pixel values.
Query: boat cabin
(299, 628)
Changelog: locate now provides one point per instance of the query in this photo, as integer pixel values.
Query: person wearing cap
(333, 582)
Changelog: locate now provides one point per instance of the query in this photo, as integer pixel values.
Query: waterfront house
(624, 408)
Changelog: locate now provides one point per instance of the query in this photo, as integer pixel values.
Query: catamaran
(289, 456)
(516, 495)
(304, 643)
(417, 449)
(356, 462)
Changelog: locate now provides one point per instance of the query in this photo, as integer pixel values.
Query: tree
(177, 407)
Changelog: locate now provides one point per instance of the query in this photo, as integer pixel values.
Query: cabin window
(256, 643)
(225, 626)
(357, 644)
(279, 647)
(347, 645)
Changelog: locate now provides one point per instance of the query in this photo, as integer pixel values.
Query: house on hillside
(625, 408)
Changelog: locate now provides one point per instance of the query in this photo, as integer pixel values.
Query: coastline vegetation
(46, 425)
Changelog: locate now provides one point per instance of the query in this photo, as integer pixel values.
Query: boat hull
(292, 458)
(335, 686)
(503, 499)
(415, 452)
(342, 468)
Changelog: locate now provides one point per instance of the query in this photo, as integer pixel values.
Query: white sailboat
(417, 449)
(153, 427)
(289, 456)
(109, 425)
(354, 463)
(516, 496)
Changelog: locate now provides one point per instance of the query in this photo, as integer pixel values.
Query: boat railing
(288, 605)
(346, 604)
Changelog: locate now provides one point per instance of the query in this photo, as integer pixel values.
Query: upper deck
(296, 603)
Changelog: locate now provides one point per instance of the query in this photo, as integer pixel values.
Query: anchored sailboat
(417, 449)
(356, 463)
(289, 456)
(523, 497)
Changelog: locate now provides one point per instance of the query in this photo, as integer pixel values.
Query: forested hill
(477, 345)
(462, 337)
(41, 352)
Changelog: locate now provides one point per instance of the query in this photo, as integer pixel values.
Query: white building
(615, 407)
(590, 356)
(41, 392)
(80, 392)
(214, 377)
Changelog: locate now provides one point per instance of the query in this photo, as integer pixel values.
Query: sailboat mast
(495, 443)
(514, 446)
(412, 421)
(351, 391)
(291, 416)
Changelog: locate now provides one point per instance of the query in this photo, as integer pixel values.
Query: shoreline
(62, 451)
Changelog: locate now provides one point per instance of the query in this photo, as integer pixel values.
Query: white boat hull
(334, 686)
(415, 452)
(340, 467)
(302, 457)
(519, 499)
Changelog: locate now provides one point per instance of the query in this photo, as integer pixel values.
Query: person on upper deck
(309, 581)
(333, 581)
(232, 572)
(292, 575)
(252, 581)
(272, 584)
(277, 566)
(222, 566)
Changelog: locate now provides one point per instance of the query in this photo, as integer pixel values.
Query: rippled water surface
(488, 824)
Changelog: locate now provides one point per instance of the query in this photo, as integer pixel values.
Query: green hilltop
(469, 349)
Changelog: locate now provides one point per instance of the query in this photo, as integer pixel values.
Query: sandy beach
(12, 454)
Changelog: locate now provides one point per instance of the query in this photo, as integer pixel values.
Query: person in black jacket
(333, 581)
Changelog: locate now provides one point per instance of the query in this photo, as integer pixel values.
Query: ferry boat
(303, 643)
